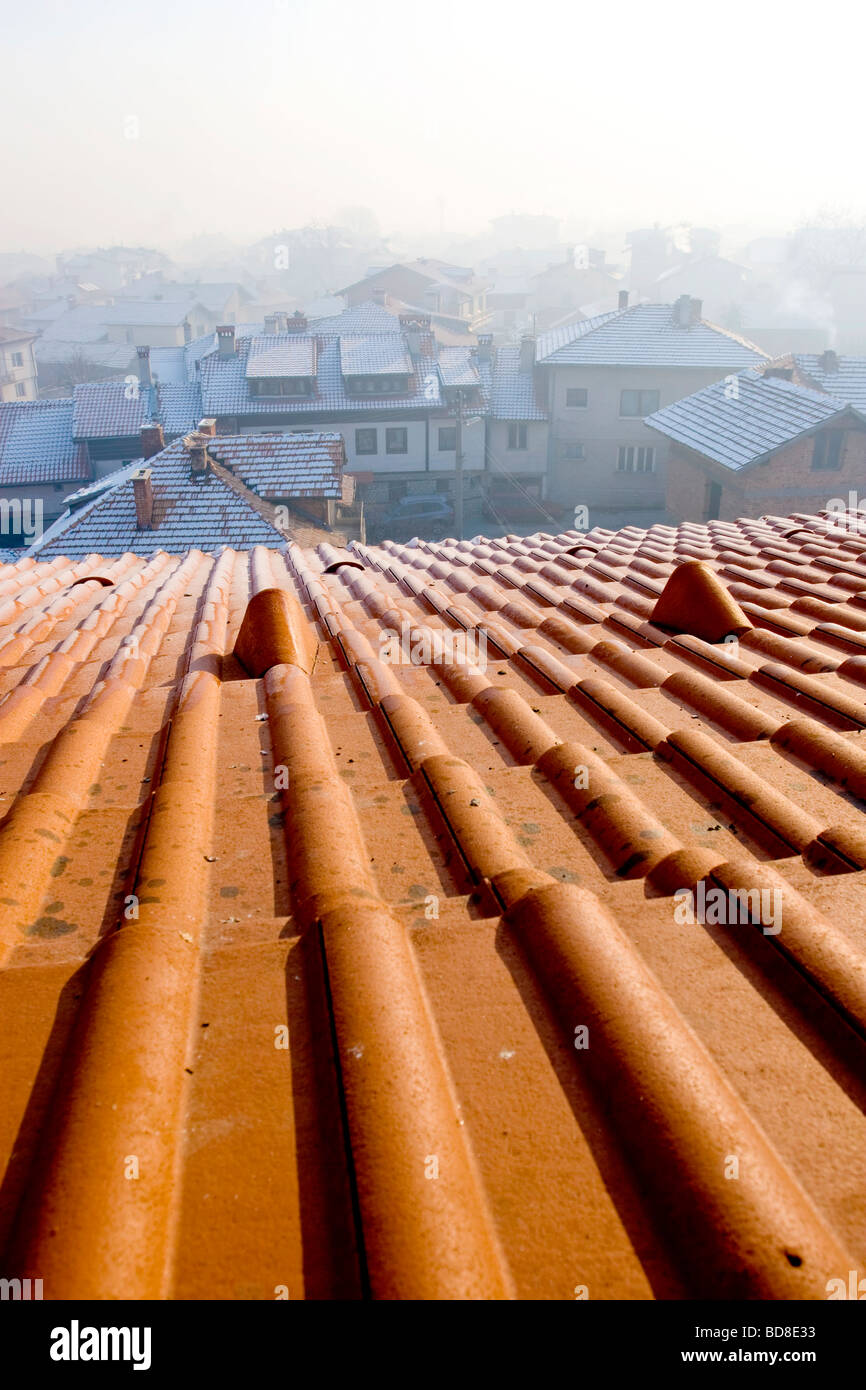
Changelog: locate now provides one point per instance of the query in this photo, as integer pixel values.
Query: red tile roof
(328, 971)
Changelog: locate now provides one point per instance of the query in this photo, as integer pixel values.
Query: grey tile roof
(846, 384)
(646, 335)
(204, 515)
(738, 429)
(84, 324)
(513, 393)
(36, 444)
(225, 390)
(458, 367)
(283, 354)
(285, 465)
(381, 354)
(364, 318)
(117, 409)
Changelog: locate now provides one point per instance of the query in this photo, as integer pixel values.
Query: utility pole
(458, 469)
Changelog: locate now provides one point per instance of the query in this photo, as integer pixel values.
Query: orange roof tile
(432, 922)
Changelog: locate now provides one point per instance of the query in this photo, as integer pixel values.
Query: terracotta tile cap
(275, 632)
(695, 601)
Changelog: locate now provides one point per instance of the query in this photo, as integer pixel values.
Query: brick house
(760, 443)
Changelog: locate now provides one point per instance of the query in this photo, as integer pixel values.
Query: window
(18, 359)
(396, 385)
(366, 442)
(397, 440)
(573, 451)
(280, 386)
(638, 403)
(517, 436)
(576, 397)
(21, 389)
(636, 458)
(827, 450)
(447, 439)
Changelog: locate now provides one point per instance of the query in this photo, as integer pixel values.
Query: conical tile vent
(275, 632)
(695, 601)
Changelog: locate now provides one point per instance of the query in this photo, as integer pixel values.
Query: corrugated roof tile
(565, 923)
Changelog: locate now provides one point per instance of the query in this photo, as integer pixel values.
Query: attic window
(281, 386)
(377, 385)
(827, 450)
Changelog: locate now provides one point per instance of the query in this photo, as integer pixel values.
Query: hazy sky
(150, 122)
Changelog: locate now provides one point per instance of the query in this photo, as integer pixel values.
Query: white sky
(269, 113)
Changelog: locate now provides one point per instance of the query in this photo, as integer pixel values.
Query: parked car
(428, 517)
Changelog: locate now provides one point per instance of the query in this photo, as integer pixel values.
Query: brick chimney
(144, 375)
(143, 490)
(226, 339)
(828, 361)
(207, 426)
(272, 324)
(297, 323)
(379, 296)
(485, 347)
(527, 353)
(695, 310)
(622, 302)
(152, 440)
(415, 326)
(687, 311)
(196, 447)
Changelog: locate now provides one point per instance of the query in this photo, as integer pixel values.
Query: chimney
(485, 347)
(298, 323)
(152, 440)
(272, 324)
(144, 376)
(527, 353)
(695, 309)
(379, 296)
(414, 326)
(143, 491)
(828, 361)
(207, 426)
(622, 302)
(196, 448)
(226, 339)
(687, 311)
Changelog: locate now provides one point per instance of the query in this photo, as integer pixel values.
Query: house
(602, 376)
(40, 462)
(382, 382)
(760, 442)
(202, 493)
(436, 286)
(17, 365)
(526, 970)
(108, 415)
(517, 431)
(157, 322)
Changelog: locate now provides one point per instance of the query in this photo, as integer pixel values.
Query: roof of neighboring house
(646, 335)
(513, 394)
(364, 318)
(118, 409)
(37, 445)
(744, 418)
(285, 354)
(458, 366)
(188, 513)
(14, 335)
(149, 313)
(84, 324)
(225, 389)
(846, 383)
(565, 924)
(116, 355)
(383, 354)
(285, 465)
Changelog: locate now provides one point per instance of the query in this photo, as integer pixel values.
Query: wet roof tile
(372, 951)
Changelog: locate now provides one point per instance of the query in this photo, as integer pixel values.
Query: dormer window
(281, 386)
(391, 385)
